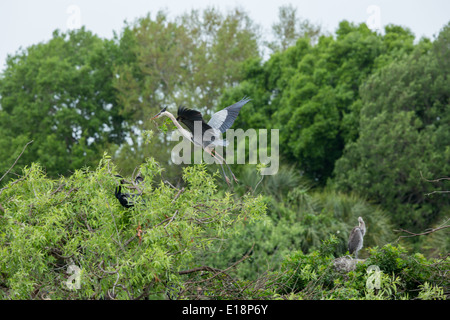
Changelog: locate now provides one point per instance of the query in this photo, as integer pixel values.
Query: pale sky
(26, 22)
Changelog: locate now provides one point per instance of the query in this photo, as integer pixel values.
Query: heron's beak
(159, 114)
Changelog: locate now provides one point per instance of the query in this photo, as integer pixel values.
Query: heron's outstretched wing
(189, 116)
(224, 119)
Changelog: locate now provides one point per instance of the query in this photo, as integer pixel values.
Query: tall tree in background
(290, 28)
(78, 95)
(59, 94)
(404, 134)
(188, 61)
(311, 93)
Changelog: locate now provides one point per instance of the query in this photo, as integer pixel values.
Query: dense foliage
(404, 135)
(312, 92)
(363, 113)
(364, 127)
(59, 94)
(401, 277)
(159, 247)
(49, 225)
(300, 219)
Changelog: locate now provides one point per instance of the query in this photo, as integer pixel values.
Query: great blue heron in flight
(209, 136)
(355, 241)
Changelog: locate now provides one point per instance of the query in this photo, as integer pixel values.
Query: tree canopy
(312, 92)
(404, 137)
(59, 94)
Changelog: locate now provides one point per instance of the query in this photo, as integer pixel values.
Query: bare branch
(104, 271)
(58, 189)
(178, 194)
(437, 191)
(17, 159)
(170, 221)
(204, 268)
(230, 267)
(57, 252)
(412, 234)
(435, 180)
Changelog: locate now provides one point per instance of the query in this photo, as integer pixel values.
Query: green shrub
(49, 225)
(313, 276)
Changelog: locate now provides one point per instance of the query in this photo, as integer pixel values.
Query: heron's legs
(223, 170)
(223, 159)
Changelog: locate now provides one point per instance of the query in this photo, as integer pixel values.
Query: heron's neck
(362, 226)
(183, 131)
(175, 122)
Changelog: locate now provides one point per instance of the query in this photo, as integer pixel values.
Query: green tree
(59, 94)
(48, 225)
(311, 93)
(289, 28)
(404, 136)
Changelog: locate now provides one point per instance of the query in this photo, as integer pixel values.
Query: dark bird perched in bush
(127, 199)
